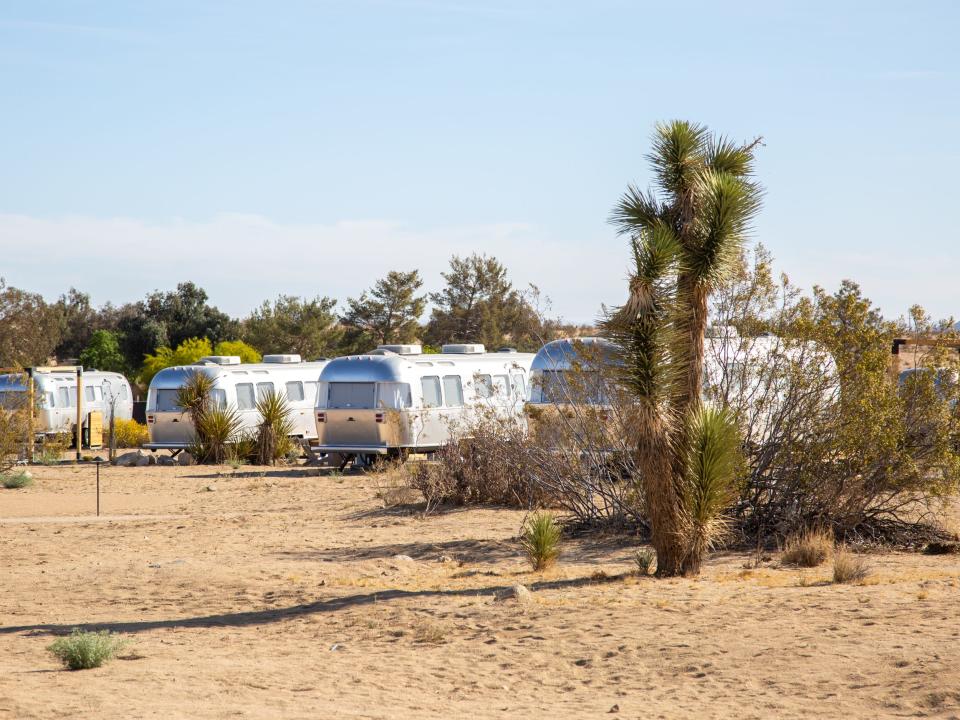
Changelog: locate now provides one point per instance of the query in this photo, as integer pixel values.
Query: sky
(306, 148)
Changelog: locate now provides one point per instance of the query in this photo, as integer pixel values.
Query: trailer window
(351, 395)
(123, 392)
(519, 386)
(484, 385)
(431, 391)
(219, 397)
(264, 389)
(310, 390)
(394, 395)
(167, 401)
(501, 386)
(93, 393)
(64, 395)
(49, 397)
(295, 391)
(453, 391)
(245, 400)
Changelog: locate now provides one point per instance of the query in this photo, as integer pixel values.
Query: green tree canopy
(29, 328)
(295, 325)
(103, 353)
(388, 313)
(479, 304)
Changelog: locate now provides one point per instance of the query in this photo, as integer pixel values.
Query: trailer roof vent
(219, 360)
(463, 349)
(506, 350)
(402, 349)
(281, 359)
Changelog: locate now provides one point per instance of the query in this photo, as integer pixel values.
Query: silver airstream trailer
(397, 400)
(236, 385)
(571, 370)
(55, 392)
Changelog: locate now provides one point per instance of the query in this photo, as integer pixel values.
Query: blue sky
(308, 147)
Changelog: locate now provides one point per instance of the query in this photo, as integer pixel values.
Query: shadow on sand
(264, 617)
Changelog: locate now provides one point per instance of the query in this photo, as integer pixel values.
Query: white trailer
(397, 400)
(55, 394)
(235, 385)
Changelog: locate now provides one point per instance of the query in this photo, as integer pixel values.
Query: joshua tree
(685, 238)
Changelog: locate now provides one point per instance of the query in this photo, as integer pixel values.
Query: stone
(151, 459)
(127, 459)
(185, 458)
(518, 592)
(166, 461)
(141, 460)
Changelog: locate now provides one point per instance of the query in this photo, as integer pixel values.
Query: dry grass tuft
(808, 548)
(849, 568)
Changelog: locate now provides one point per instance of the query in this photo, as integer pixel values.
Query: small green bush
(646, 560)
(82, 650)
(16, 481)
(541, 540)
(849, 568)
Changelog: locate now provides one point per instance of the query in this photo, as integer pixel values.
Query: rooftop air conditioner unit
(402, 349)
(219, 360)
(281, 359)
(463, 349)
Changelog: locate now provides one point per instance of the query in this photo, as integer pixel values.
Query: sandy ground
(280, 594)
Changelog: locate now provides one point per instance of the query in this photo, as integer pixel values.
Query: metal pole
(79, 410)
(98, 489)
(31, 398)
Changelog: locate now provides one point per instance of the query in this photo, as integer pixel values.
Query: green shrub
(646, 560)
(273, 434)
(82, 650)
(540, 540)
(16, 481)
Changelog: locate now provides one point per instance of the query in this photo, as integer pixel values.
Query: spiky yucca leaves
(540, 540)
(274, 430)
(217, 429)
(685, 239)
(194, 395)
(713, 462)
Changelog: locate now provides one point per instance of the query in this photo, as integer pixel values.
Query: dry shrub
(808, 548)
(14, 427)
(849, 568)
(129, 433)
(646, 560)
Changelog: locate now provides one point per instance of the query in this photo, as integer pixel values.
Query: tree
(186, 353)
(239, 348)
(295, 325)
(29, 328)
(166, 319)
(389, 313)
(685, 238)
(103, 353)
(78, 321)
(479, 304)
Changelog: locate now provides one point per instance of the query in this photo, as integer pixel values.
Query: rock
(403, 558)
(127, 459)
(518, 592)
(614, 709)
(210, 488)
(151, 459)
(142, 460)
(166, 461)
(185, 458)
(445, 559)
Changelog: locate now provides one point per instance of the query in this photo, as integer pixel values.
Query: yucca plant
(273, 433)
(217, 429)
(685, 239)
(540, 540)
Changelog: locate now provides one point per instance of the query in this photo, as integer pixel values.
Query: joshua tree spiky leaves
(685, 238)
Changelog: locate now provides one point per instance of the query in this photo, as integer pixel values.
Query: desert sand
(294, 593)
